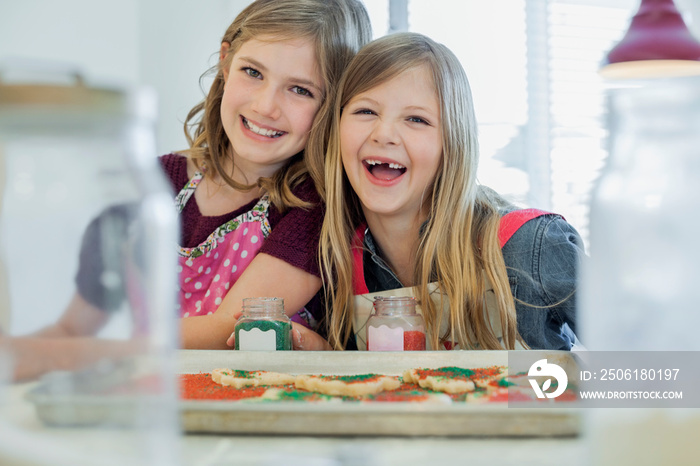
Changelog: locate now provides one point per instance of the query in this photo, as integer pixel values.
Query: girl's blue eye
(252, 72)
(363, 111)
(302, 91)
(416, 119)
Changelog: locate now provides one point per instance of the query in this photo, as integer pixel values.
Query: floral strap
(186, 193)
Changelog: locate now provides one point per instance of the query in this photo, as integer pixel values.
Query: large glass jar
(263, 326)
(82, 195)
(639, 291)
(395, 325)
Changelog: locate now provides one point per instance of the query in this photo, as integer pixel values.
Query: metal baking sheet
(330, 419)
(390, 419)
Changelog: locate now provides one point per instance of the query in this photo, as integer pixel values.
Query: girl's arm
(266, 276)
(561, 255)
(543, 259)
(79, 319)
(32, 357)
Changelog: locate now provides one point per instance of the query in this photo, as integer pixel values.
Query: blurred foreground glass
(639, 291)
(70, 154)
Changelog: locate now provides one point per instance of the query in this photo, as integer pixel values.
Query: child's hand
(306, 339)
(231, 340)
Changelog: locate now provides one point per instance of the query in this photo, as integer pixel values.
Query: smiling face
(391, 144)
(272, 92)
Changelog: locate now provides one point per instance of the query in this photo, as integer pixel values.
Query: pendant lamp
(657, 44)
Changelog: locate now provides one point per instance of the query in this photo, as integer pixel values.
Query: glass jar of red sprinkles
(263, 326)
(395, 325)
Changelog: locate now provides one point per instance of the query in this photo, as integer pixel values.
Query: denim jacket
(542, 260)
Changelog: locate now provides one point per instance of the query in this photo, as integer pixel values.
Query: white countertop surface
(618, 437)
(24, 440)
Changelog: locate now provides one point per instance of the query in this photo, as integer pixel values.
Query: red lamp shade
(657, 44)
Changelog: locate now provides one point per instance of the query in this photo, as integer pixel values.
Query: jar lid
(61, 101)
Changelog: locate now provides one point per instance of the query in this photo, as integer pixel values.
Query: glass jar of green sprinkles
(263, 326)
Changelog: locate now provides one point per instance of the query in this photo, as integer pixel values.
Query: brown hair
(338, 28)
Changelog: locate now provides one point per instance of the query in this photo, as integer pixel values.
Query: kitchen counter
(24, 440)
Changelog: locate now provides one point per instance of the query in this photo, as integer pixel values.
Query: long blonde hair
(459, 245)
(338, 28)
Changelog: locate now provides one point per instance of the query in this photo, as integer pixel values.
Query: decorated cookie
(347, 385)
(453, 379)
(239, 378)
(294, 394)
(409, 393)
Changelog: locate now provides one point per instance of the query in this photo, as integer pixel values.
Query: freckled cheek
(349, 160)
(236, 92)
(429, 152)
(349, 154)
(344, 155)
(230, 107)
(227, 117)
(303, 118)
(350, 139)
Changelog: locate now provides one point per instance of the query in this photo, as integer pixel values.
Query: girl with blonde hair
(401, 188)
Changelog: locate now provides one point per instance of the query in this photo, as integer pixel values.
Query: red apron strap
(512, 221)
(358, 269)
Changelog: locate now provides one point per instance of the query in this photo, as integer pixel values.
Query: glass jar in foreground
(395, 325)
(639, 288)
(86, 232)
(263, 326)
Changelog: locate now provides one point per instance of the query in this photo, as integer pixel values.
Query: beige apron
(365, 302)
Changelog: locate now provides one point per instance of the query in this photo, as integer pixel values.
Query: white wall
(691, 13)
(98, 36)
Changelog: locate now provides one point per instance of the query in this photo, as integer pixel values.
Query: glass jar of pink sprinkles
(395, 325)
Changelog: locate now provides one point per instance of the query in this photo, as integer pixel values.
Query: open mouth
(383, 170)
(270, 133)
